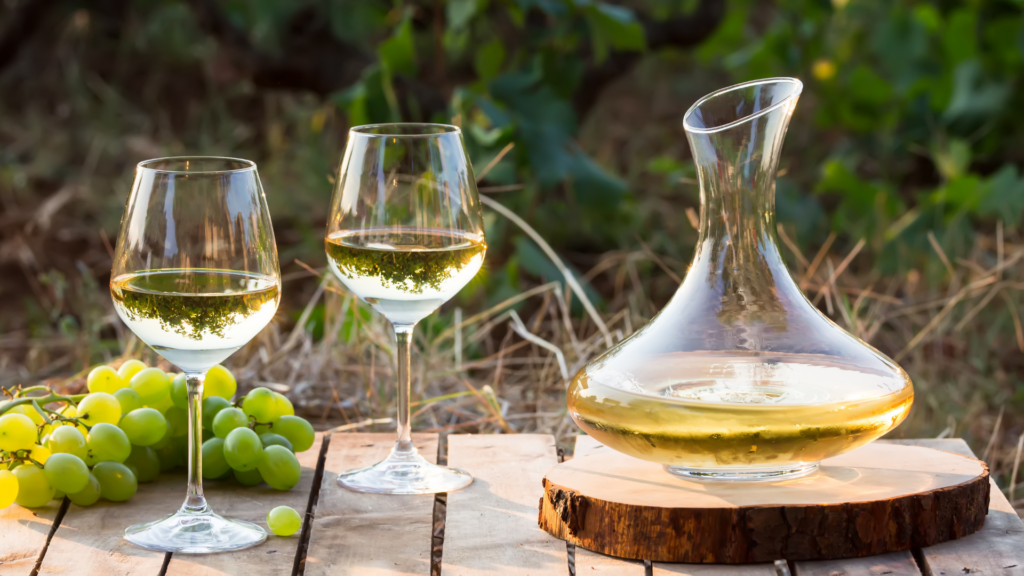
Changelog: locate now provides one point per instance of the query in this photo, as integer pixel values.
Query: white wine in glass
(405, 234)
(195, 277)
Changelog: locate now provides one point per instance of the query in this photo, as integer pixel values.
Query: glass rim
(246, 165)
(395, 130)
(780, 80)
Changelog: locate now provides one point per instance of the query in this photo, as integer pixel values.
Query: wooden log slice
(877, 499)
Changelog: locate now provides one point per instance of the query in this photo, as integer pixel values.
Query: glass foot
(745, 475)
(404, 472)
(195, 533)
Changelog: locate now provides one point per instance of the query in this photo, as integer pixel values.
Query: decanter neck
(737, 196)
(736, 139)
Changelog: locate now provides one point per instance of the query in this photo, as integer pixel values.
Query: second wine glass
(405, 234)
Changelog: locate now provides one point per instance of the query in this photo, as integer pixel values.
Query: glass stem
(403, 335)
(195, 502)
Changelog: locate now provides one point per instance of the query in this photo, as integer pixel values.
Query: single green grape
(179, 391)
(248, 477)
(29, 411)
(34, 490)
(271, 439)
(129, 369)
(282, 406)
(280, 468)
(39, 453)
(284, 521)
(68, 440)
(297, 430)
(88, 495)
(146, 463)
(211, 407)
(58, 495)
(151, 384)
(163, 405)
(9, 488)
(99, 407)
(227, 420)
(164, 440)
(214, 463)
(177, 422)
(219, 382)
(144, 427)
(107, 443)
(260, 403)
(243, 449)
(117, 483)
(17, 432)
(104, 379)
(66, 472)
(129, 400)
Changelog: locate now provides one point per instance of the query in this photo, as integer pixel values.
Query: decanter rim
(780, 80)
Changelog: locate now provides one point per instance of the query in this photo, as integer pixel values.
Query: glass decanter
(739, 377)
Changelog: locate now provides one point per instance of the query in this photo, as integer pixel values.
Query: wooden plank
(23, 535)
(274, 557)
(894, 564)
(491, 525)
(369, 534)
(998, 548)
(588, 562)
(90, 541)
(662, 569)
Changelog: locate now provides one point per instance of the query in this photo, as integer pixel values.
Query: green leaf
(489, 59)
(613, 26)
(962, 192)
(953, 160)
(546, 125)
(1004, 196)
(398, 53)
(460, 12)
(973, 95)
(356, 22)
(960, 38)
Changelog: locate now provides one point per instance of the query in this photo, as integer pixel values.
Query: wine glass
(196, 277)
(405, 234)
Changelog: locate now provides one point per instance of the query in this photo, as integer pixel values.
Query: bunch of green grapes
(255, 440)
(133, 425)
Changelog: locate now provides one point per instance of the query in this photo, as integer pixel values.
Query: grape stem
(71, 399)
(40, 388)
(253, 423)
(16, 457)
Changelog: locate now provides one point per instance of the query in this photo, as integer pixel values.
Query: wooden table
(488, 528)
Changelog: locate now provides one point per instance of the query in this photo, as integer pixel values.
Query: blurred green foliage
(908, 123)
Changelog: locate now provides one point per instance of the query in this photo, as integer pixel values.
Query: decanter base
(775, 474)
